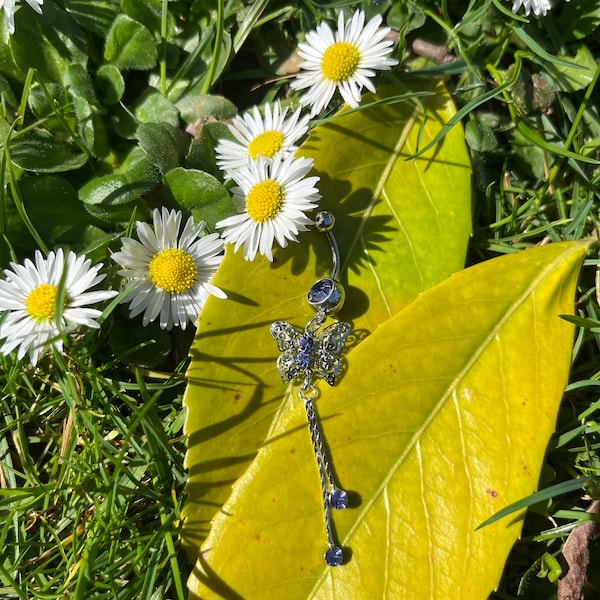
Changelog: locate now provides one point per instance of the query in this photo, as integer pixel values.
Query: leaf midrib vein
(358, 237)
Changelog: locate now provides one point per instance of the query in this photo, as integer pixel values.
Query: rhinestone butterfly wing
(306, 353)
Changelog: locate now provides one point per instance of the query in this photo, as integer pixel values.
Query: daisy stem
(25, 97)
(3, 217)
(163, 47)
(445, 11)
(18, 200)
(61, 296)
(208, 81)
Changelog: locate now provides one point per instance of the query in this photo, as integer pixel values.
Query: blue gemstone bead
(320, 291)
(334, 556)
(338, 499)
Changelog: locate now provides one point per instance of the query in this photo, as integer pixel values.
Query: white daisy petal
(9, 17)
(28, 296)
(171, 270)
(147, 236)
(343, 61)
(258, 135)
(537, 7)
(215, 291)
(9, 11)
(83, 316)
(274, 196)
(36, 5)
(142, 298)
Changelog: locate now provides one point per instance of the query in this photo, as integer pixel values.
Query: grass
(93, 479)
(91, 445)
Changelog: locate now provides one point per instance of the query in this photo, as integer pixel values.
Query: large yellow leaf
(401, 226)
(441, 419)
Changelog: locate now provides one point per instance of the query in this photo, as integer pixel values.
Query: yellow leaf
(401, 226)
(441, 419)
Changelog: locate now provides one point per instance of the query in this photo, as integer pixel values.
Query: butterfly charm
(307, 353)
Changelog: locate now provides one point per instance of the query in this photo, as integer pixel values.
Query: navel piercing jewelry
(313, 354)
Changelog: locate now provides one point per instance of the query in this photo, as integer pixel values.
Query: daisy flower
(538, 7)
(256, 135)
(170, 271)
(9, 11)
(272, 197)
(345, 61)
(29, 295)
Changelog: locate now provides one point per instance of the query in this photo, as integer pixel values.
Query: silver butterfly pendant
(310, 352)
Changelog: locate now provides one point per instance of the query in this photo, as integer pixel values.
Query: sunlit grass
(92, 483)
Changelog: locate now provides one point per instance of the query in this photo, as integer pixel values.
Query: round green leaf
(573, 79)
(199, 193)
(153, 107)
(77, 81)
(480, 136)
(162, 144)
(110, 84)
(109, 197)
(45, 109)
(136, 167)
(33, 151)
(130, 45)
(147, 12)
(136, 177)
(111, 190)
(194, 107)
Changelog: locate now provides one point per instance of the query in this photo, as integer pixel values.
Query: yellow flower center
(40, 302)
(266, 144)
(340, 61)
(264, 200)
(173, 270)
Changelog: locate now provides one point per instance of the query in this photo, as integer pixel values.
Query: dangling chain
(333, 497)
(313, 354)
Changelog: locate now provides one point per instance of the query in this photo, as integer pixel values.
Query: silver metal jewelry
(312, 354)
